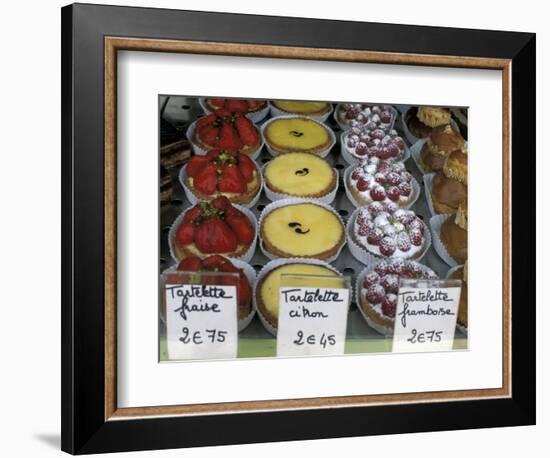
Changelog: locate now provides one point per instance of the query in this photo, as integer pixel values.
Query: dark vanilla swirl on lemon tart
(363, 143)
(380, 286)
(267, 290)
(297, 134)
(365, 114)
(389, 231)
(382, 181)
(302, 230)
(300, 175)
(302, 107)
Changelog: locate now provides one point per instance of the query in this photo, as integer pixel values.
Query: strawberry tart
(240, 105)
(374, 180)
(226, 173)
(385, 230)
(363, 142)
(215, 227)
(377, 290)
(226, 130)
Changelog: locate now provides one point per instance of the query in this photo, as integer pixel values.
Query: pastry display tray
(255, 341)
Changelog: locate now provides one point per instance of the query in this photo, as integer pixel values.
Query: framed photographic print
(281, 228)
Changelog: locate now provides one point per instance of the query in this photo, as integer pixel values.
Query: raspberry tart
(226, 130)
(215, 227)
(374, 180)
(226, 173)
(365, 114)
(377, 290)
(213, 264)
(363, 143)
(385, 230)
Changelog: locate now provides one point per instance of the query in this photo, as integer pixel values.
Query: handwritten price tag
(425, 317)
(312, 321)
(201, 321)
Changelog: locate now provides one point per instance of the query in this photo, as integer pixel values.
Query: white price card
(312, 321)
(201, 321)
(425, 317)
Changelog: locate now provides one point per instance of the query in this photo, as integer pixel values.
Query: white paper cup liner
(352, 159)
(413, 139)
(402, 108)
(366, 257)
(254, 116)
(202, 152)
(271, 265)
(323, 153)
(435, 224)
(414, 184)
(275, 112)
(376, 326)
(250, 275)
(246, 257)
(415, 150)
(283, 203)
(182, 177)
(274, 196)
(345, 126)
(452, 270)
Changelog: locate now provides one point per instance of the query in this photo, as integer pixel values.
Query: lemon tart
(302, 230)
(297, 134)
(267, 291)
(300, 175)
(302, 108)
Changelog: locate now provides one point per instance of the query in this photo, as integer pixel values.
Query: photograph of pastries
(328, 192)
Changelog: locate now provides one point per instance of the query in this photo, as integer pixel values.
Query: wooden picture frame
(91, 37)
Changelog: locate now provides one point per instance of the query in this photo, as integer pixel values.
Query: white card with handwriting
(425, 317)
(312, 321)
(201, 321)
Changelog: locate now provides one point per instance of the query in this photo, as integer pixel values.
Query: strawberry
(190, 264)
(215, 236)
(213, 154)
(223, 113)
(185, 233)
(231, 180)
(209, 134)
(228, 138)
(242, 228)
(233, 211)
(246, 167)
(254, 104)
(236, 105)
(205, 120)
(244, 293)
(205, 180)
(195, 164)
(192, 215)
(247, 131)
(218, 103)
(214, 262)
(221, 203)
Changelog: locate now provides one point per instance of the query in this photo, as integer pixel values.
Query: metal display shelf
(255, 341)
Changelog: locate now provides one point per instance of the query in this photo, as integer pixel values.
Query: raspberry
(385, 167)
(380, 178)
(378, 133)
(385, 117)
(393, 178)
(393, 193)
(375, 294)
(415, 236)
(355, 174)
(370, 279)
(374, 236)
(396, 266)
(363, 230)
(389, 305)
(405, 189)
(403, 243)
(406, 176)
(378, 193)
(394, 151)
(387, 246)
(381, 268)
(361, 149)
(416, 223)
(375, 208)
(398, 141)
(375, 151)
(363, 185)
(371, 125)
(391, 207)
(390, 283)
(363, 217)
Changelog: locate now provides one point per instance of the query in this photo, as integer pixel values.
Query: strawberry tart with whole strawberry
(215, 227)
(226, 173)
(362, 143)
(217, 263)
(241, 105)
(385, 230)
(227, 130)
(377, 290)
(374, 180)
